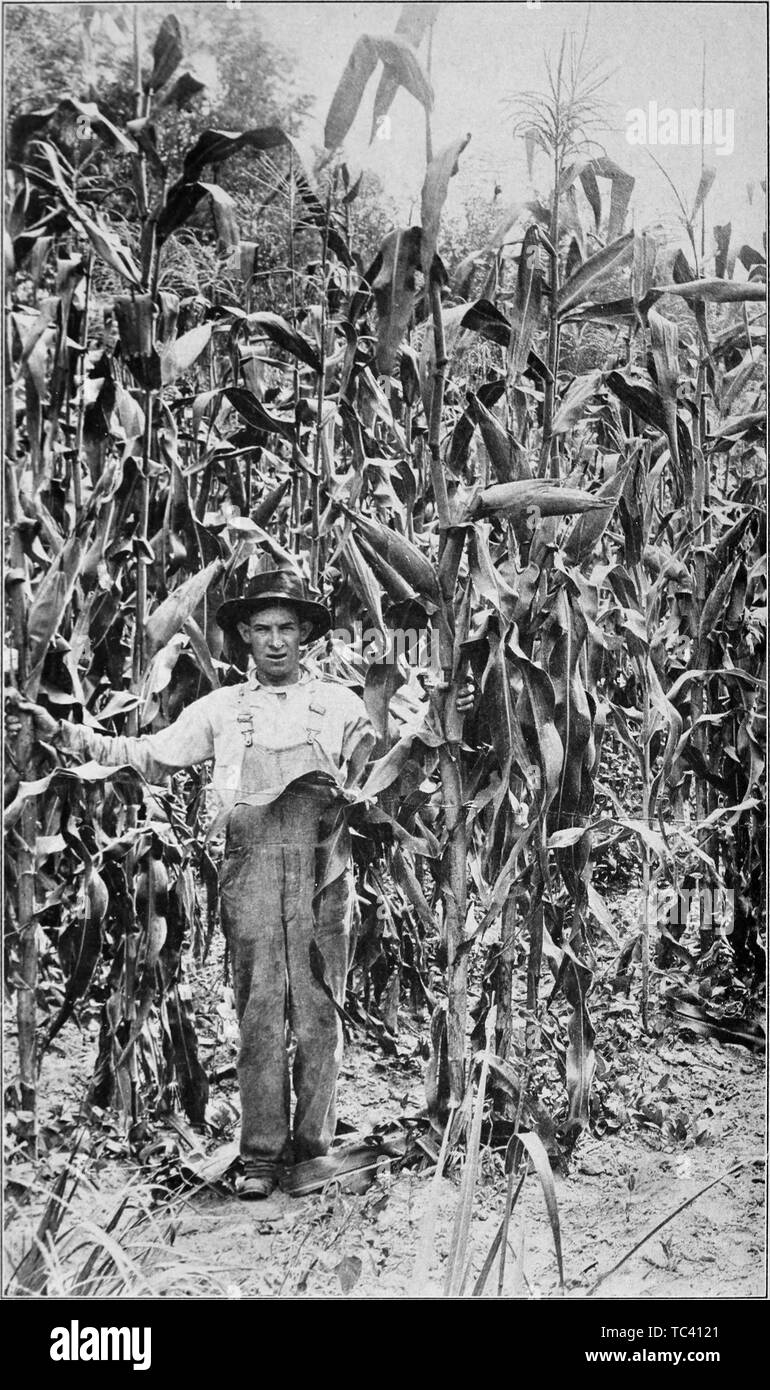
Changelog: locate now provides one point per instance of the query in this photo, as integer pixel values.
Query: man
(286, 746)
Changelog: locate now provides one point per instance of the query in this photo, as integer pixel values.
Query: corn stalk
(454, 859)
(26, 922)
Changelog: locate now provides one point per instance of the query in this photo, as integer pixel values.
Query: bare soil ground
(672, 1112)
(617, 1189)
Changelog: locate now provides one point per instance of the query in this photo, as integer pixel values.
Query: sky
(486, 53)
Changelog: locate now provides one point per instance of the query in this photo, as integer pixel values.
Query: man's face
(273, 635)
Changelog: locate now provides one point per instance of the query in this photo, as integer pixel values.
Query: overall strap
(314, 723)
(244, 719)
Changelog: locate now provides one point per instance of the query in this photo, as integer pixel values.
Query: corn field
(540, 464)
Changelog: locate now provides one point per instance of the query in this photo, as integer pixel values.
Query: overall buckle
(246, 722)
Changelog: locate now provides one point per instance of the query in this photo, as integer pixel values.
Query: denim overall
(273, 907)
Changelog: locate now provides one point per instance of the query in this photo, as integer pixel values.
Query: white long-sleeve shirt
(217, 726)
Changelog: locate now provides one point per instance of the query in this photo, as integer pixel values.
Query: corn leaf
(564, 639)
(80, 947)
(525, 313)
(171, 615)
(31, 123)
(620, 195)
(395, 291)
(104, 241)
(184, 89)
(595, 269)
(363, 582)
(485, 318)
(225, 220)
(587, 531)
(134, 315)
(705, 182)
(542, 1165)
(715, 607)
(383, 679)
(254, 413)
(398, 58)
(279, 332)
(636, 389)
(434, 191)
(664, 339)
(576, 980)
(167, 53)
(590, 187)
(53, 595)
(270, 503)
(413, 23)
(214, 146)
(536, 711)
(178, 357)
(571, 408)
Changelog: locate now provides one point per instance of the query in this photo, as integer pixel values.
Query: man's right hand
(46, 727)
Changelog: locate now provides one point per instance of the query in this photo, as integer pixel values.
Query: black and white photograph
(384, 664)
